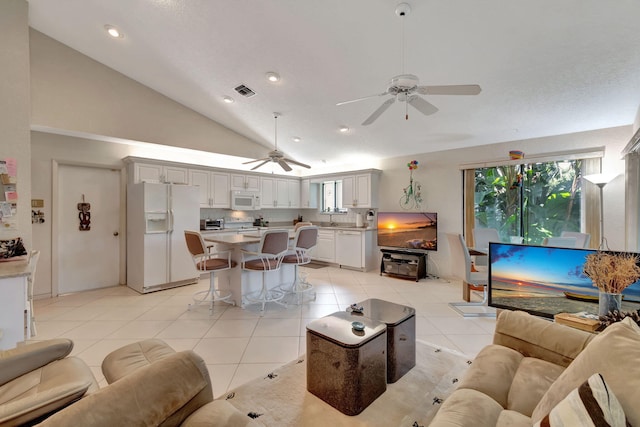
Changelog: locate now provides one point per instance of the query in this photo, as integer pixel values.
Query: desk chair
(461, 259)
(33, 263)
(306, 238)
(582, 239)
(481, 239)
(273, 247)
(560, 242)
(207, 261)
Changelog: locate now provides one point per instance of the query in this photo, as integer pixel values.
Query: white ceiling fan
(405, 87)
(276, 156)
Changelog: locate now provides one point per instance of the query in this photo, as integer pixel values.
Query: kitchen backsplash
(286, 215)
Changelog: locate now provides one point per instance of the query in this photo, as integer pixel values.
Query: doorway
(88, 242)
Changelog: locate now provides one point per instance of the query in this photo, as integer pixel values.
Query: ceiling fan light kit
(405, 87)
(276, 156)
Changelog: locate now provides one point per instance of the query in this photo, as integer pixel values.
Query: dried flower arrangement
(610, 272)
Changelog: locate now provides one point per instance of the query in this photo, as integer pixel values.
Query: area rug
(281, 397)
(315, 265)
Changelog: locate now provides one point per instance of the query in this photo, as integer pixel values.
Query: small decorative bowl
(358, 326)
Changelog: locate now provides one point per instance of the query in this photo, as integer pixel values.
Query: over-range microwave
(245, 201)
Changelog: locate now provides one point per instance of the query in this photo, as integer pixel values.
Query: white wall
(14, 107)
(441, 179)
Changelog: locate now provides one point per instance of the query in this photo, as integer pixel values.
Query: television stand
(404, 263)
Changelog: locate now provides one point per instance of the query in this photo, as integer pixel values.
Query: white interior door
(88, 259)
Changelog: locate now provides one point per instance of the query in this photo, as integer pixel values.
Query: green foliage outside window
(529, 200)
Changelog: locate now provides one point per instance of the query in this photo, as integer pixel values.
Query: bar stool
(273, 247)
(206, 260)
(306, 238)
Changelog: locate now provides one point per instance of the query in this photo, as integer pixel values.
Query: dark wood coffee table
(346, 368)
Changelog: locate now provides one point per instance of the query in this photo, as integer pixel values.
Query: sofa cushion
(492, 372)
(125, 360)
(540, 338)
(531, 381)
(20, 360)
(614, 353)
(592, 403)
(467, 407)
(510, 418)
(44, 390)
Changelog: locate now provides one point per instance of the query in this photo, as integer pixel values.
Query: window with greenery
(533, 201)
(332, 197)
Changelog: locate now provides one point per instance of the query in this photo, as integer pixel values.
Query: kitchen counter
(14, 268)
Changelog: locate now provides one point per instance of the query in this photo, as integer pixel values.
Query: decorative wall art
(412, 194)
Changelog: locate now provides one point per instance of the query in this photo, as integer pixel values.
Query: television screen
(408, 230)
(546, 281)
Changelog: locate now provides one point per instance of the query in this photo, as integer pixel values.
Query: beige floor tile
(271, 350)
(277, 328)
(95, 354)
(186, 329)
(251, 371)
(182, 344)
(140, 329)
(221, 376)
(232, 328)
(217, 351)
(94, 329)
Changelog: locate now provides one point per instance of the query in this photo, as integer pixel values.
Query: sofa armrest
(148, 396)
(536, 337)
(26, 358)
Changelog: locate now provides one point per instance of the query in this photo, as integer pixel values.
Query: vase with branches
(611, 273)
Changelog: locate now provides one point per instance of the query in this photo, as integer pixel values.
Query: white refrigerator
(157, 255)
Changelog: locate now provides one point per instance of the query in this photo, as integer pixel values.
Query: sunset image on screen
(411, 230)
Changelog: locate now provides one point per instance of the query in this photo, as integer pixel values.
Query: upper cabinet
(143, 172)
(360, 191)
(279, 193)
(214, 188)
(309, 194)
(245, 182)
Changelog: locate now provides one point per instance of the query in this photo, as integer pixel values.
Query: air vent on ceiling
(244, 91)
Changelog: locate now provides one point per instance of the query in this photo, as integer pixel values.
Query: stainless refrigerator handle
(170, 221)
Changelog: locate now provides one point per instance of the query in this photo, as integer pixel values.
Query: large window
(533, 201)
(332, 197)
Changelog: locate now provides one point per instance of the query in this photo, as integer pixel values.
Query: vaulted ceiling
(546, 67)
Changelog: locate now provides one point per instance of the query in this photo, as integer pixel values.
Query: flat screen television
(408, 230)
(545, 281)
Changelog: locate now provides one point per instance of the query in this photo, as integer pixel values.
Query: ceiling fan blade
(297, 163)
(421, 105)
(256, 167)
(256, 160)
(363, 98)
(284, 165)
(450, 90)
(381, 109)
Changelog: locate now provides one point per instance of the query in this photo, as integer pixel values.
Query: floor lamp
(601, 180)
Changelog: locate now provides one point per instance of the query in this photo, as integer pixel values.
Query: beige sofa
(533, 367)
(151, 384)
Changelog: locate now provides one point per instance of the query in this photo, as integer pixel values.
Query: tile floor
(237, 344)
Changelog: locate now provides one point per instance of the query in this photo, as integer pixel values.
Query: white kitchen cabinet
(245, 182)
(293, 186)
(325, 249)
(214, 188)
(360, 191)
(143, 172)
(309, 194)
(279, 193)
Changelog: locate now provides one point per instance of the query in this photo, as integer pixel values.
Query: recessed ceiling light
(296, 139)
(273, 77)
(344, 129)
(113, 32)
(228, 99)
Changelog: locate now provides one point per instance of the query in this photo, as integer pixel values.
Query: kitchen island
(241, 282)
(13, 304)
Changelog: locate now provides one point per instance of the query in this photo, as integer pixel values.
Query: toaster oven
(212, 224)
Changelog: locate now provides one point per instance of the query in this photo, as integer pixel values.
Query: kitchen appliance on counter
(157, 255)
(212, 224)
(245, 200)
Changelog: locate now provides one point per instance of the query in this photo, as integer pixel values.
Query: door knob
(115, 233)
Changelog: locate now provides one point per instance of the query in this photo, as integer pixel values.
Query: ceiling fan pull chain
(406, 111)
